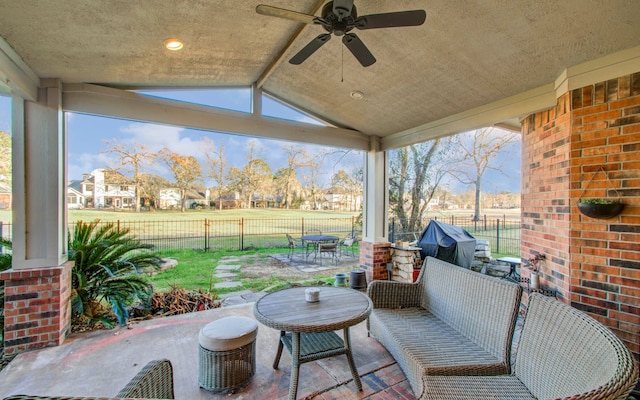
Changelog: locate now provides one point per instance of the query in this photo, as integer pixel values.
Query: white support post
(376, 194)
(39, 179)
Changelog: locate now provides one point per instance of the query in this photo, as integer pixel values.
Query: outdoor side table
(307, 328)
(514, 263)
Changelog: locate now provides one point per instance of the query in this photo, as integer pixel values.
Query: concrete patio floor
(100, 363)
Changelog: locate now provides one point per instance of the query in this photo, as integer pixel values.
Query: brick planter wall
(37, 307)
(593, 264)
(374, 258)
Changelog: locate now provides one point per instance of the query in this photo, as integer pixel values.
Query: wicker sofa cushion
(434, 347)
(228, 333)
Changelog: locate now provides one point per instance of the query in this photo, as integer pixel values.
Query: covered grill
(448, 243)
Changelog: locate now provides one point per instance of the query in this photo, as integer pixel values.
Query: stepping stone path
(224, 271)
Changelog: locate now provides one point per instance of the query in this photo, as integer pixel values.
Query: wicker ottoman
(227, 354)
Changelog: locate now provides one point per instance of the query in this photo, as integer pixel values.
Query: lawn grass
(195, 271)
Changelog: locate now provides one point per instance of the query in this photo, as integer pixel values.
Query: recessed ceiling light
(356, 94)
(173, 44)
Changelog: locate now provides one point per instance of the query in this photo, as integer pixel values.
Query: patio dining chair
(328, 248)
(346, 245)
(294, 244)
(312, 245)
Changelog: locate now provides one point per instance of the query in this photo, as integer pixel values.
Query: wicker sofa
(451, 321)
(154, 381)
(562, 354)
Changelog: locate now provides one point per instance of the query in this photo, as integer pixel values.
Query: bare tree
(132, 160)
(150, 188)
(186, 171)
(479, 149)
(416, 173)
(312, 181)
(216, 167)
(297, 157)
(254, 179)
(349, 186)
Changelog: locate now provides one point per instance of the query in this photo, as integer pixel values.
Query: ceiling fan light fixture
(357, 95)
(173, 44)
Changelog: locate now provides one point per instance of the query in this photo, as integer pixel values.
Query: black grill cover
(448, 243)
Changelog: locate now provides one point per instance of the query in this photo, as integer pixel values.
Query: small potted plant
(600, 208)
(533, 264)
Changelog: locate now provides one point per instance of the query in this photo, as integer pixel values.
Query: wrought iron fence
(230, 234)
(251, 233)
(502, 234)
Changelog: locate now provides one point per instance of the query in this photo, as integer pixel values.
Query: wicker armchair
(154, 381)
(562, 354)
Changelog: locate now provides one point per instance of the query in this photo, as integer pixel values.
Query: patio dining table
(315, 240)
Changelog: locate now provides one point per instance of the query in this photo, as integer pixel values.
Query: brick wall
(37, 308)
(587, 146)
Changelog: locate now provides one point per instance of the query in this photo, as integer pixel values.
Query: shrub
(106, 271)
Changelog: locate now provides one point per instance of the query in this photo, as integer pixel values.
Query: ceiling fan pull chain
(342, 64)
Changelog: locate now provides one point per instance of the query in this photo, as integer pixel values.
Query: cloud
(156, 137)
(84, 163)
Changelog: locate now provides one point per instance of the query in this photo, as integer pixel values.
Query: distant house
(105, 188)
(170, 198)
(75, 197)
(231, 200)
(339, 201)
(5, 196)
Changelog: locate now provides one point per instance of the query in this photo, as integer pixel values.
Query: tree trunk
(476, 215)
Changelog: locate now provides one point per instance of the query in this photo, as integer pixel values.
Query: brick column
(37, 307)
(374, 258)
(592, 264)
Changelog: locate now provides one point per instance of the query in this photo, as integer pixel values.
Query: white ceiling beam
(621, 63)
(279, 58)
(117, 103)
(479, 117)
(15, 75)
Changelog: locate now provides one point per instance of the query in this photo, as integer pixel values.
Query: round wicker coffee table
(307, 329)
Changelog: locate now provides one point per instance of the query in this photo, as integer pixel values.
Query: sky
(87, 135)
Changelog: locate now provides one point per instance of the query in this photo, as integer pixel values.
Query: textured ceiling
(467, 54)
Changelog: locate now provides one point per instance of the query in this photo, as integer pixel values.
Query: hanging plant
(601, 208)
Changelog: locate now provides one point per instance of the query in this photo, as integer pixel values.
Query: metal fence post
(206, 235)
(498, 235)
(242, 234)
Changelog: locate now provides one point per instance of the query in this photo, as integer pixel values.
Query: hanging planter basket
(600, 208)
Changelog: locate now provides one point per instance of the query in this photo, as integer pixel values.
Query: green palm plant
(106, 271)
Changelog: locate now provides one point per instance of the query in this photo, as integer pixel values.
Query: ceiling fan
(340, 18)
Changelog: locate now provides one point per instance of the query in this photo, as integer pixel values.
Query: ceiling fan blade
(286, 14)
(358, 49)
(310, 48)
(390, 20)
(342, 8)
